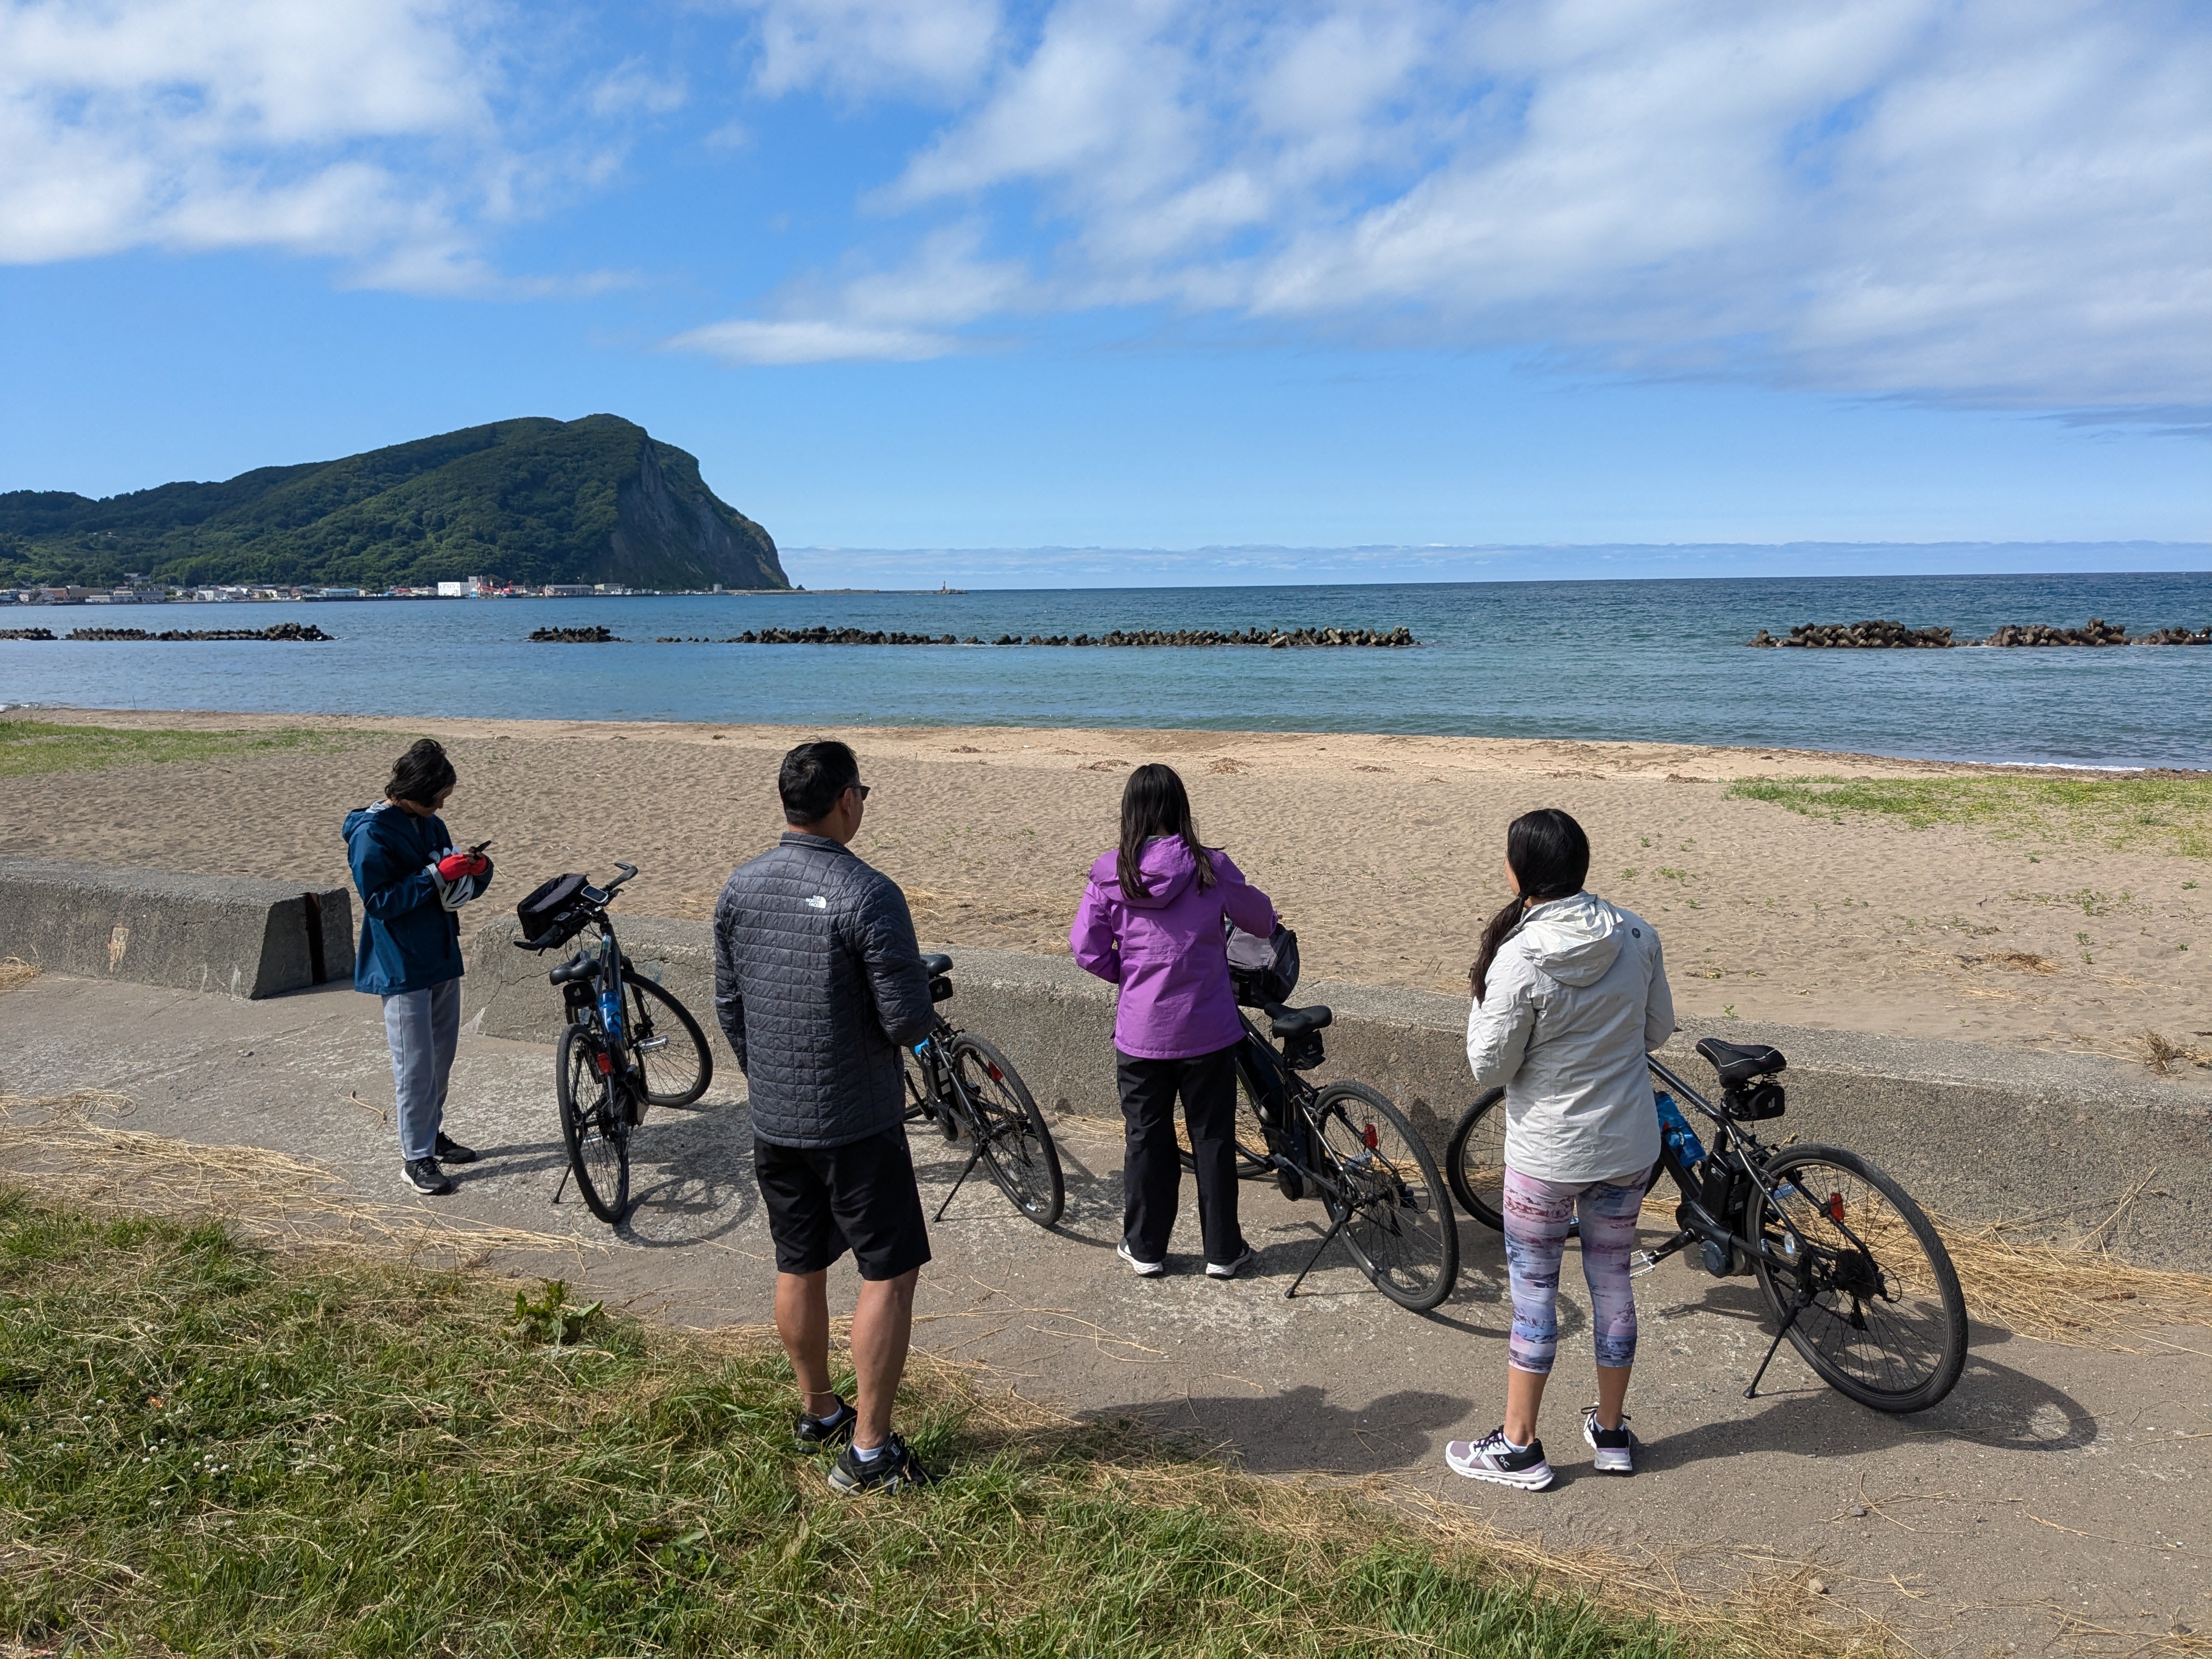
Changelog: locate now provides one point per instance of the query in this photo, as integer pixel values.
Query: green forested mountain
(529, 500)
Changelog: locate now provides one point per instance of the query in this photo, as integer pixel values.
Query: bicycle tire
(680, 1073)
(1408, 1244)
(594, 1126)
(1477, 1184)
(1895, 1363)
(1016, 1146)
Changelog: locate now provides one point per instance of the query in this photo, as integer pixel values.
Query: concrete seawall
(2054, 1144)
(239, 937)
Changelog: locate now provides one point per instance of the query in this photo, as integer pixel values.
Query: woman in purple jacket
(1150, 923)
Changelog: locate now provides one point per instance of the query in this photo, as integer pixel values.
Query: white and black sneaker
(1615, 1448)
(1145, 1269)
(1495, 1458)
(424, 1176)
(450, 1151)
(1232, 1269)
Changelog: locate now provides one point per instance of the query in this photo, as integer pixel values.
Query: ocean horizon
(1653, 659)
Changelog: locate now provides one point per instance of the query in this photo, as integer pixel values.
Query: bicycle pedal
(1642, 1262)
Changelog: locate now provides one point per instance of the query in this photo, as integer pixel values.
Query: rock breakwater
(1273, 639)
(1878, 635)
(294, 632)
(574, 637)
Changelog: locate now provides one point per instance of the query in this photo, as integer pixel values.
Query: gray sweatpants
(423, 1028)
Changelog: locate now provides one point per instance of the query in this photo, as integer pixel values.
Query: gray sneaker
(1232, 1269)
(897, 1470)
(1615, 1448)
(1144, 1269)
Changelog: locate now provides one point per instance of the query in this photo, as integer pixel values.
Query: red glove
(455, 865)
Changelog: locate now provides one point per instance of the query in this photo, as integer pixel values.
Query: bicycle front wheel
(1014, 1142)
(1879, 1314)
(1401, 1229)
(595, 1125)
(671, 1050)
(1474, 1159)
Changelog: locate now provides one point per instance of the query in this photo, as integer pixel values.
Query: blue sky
(970, 274)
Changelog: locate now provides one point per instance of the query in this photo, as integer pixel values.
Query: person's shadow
(1300, 1431)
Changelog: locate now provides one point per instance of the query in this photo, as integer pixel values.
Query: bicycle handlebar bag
(549, 915)
(1263, 971)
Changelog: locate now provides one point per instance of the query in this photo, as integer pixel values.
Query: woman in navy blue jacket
(412, 880)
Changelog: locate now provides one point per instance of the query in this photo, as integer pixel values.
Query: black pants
(1151, 1174)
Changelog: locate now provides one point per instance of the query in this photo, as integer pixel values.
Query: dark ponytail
(1154, 803)
(1549, 856)
(421, 774)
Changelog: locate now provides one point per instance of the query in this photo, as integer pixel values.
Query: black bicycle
(1347, 1145)
(1850, 1267)
(963, 1085)
(627, 1044)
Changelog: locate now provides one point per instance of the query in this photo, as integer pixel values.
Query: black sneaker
(895, 1470)
(1493, 1458)
(820, 1433)
(450, 1151)
(1615, 1448)
(424, 1176)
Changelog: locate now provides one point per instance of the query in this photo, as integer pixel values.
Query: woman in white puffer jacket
(1570, 994)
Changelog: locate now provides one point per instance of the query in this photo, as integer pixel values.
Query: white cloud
(896, 48)
(2004, 202)
(745, 340)
(632, 86)
(199, 124)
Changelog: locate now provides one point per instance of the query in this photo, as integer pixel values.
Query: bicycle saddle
(937, 966)
(582, 967)
(1740, 1063)
(1297, 1022)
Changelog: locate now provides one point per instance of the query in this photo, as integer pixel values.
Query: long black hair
(421, 774)
(1549, 855)
(1154, 803)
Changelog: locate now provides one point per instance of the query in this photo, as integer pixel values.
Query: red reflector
(1836, 1207)
(606, 1063)
(1367, 1133)
(997, 1076)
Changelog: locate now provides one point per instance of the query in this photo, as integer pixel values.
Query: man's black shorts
(824, 1200)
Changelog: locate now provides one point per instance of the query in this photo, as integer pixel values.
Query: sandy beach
(1383, 852)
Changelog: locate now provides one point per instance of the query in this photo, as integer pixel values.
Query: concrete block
(2053, 1143)
(228, 934)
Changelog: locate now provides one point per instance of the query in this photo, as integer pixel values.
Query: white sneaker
(1492, 1459)
(1145, 1269)
(1232, 1269)
(1615, 1449)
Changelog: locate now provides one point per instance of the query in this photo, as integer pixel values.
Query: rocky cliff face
(670, 530)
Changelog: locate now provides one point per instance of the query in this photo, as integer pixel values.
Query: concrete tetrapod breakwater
(2064, 1147)
(231, 934)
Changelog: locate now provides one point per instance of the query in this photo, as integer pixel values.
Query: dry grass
(2077, 1294)
(15, 973)
(2163, 1054)
(265, 1195)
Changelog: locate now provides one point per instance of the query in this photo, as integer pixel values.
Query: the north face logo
(817, 903)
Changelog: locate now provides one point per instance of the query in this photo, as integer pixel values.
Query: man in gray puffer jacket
(819, 985)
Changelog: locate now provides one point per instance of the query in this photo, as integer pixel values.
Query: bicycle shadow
(691, 1181)
(1300, 1431)
(1993, 1406)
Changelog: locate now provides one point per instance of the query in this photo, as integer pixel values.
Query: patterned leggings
(1537, 1217)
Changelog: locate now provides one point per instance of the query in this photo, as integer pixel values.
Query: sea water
(1659, 660)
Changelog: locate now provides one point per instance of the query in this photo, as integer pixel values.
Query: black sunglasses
(862, 788)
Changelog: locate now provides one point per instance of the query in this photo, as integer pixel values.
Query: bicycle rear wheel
(678, 1070)
(1016, 1146)
(1402, 1231)
(594, 1124)
(1880, 1314)
(1474, 1159)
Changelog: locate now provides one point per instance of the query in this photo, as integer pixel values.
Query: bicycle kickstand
(964, 1174)
(1772, 1348)
(563, 1187)
(1327, 1239)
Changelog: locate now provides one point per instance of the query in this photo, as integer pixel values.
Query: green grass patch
(2173, 814)
(31, 747)
(207, 1448)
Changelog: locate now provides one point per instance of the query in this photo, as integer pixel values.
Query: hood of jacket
(1167, 869)
(1574, 940)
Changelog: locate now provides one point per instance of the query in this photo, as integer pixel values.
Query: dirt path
(2057, 1502)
